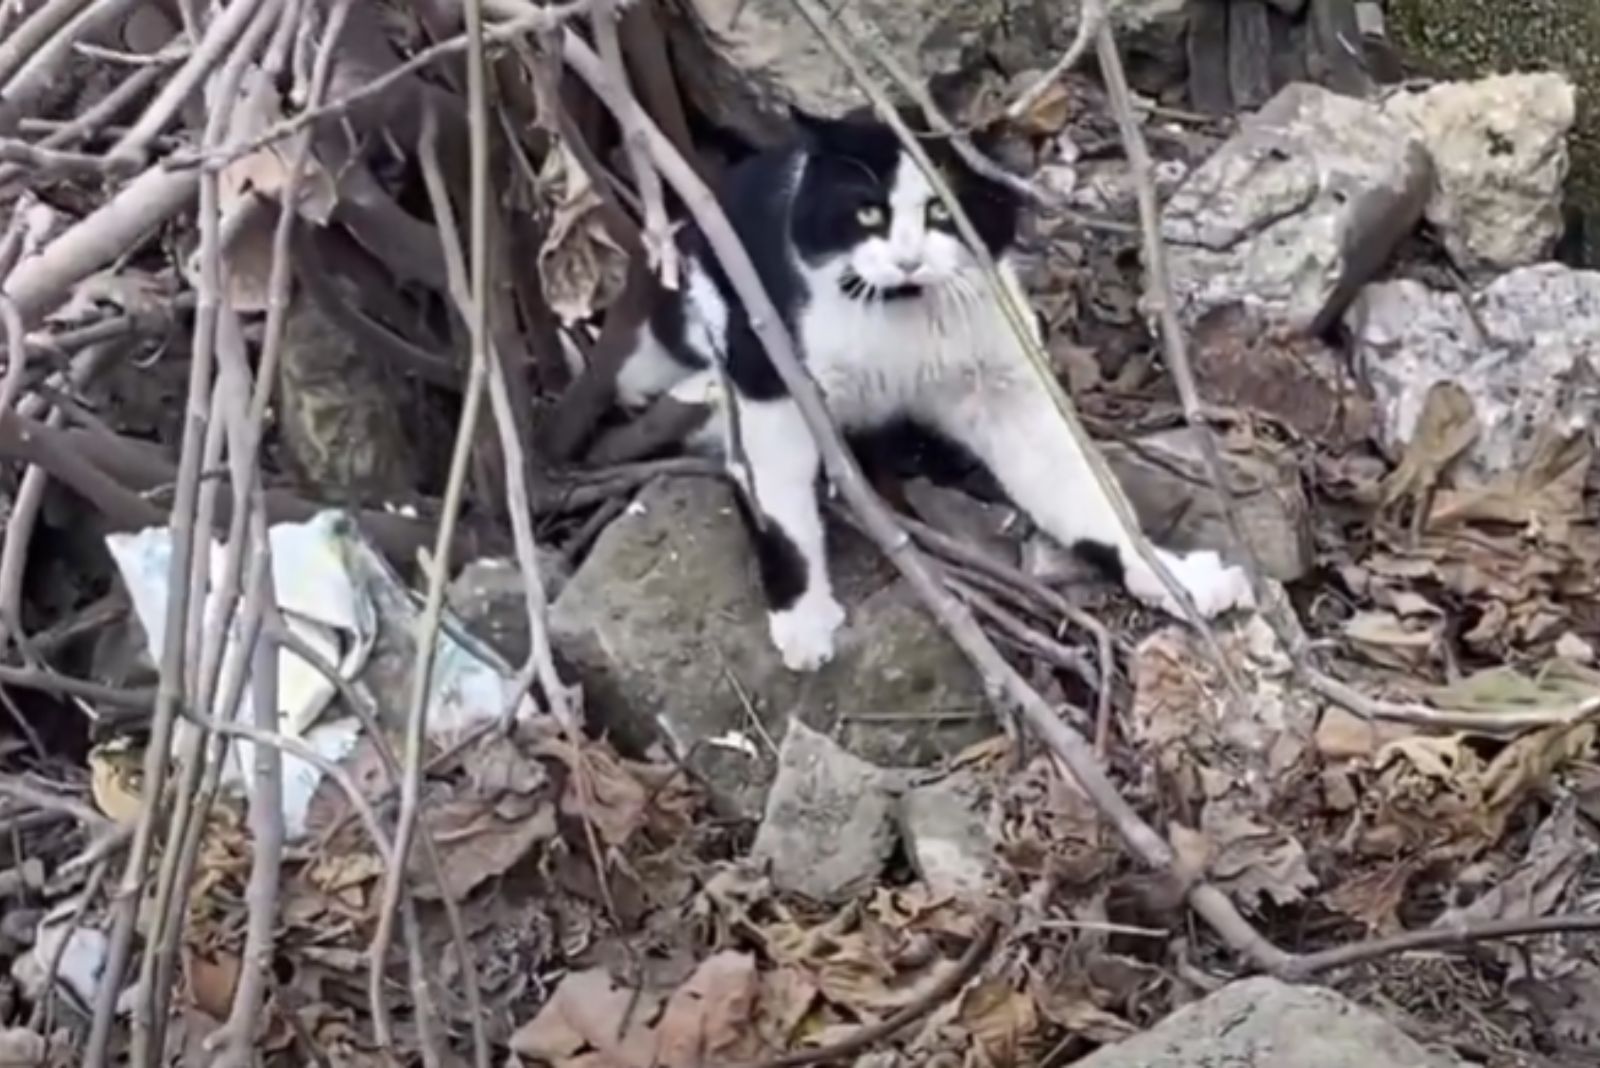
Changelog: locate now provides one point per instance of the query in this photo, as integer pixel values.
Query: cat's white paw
(1215, 587)
(804, 634)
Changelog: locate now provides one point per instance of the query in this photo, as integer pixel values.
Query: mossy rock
(1472, 38)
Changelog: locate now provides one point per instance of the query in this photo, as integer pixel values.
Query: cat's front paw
(1214, 586)
(804, 634)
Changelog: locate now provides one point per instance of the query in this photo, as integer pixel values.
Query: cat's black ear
(818, 132)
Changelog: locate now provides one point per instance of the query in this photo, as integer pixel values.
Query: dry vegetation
(472, 186)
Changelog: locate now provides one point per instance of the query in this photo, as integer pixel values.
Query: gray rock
(746, 63)
(666, 628)
(1295, 211)
(1538, 365)
(1165, 479)
(982, 524)
(946, 836)
(829, 825)
(488, 596)
(1499, 149)
(1265, 1023)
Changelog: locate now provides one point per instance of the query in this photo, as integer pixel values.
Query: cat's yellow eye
(937, 212)
(870, 216)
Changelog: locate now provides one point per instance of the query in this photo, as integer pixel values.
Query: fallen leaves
(581, 267)
(593, 1021)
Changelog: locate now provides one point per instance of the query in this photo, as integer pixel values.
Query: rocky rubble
(746, 63)
(1296, 211)
(1526, 348)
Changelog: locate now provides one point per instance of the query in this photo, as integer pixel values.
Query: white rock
(1296, 210)
(1539, 364)
(1499, 149)
(829, 826)
(947, 838)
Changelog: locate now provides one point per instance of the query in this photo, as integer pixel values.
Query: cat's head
(865, 213)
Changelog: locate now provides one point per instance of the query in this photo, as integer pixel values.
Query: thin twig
(50, 801)
(171, 692)
(295, 645)
(661, 251)
(1091, 14)
(1313, 964)
(48, 682)
(527, 21)
(215, 46)
(870, 1035)
(541, 656)
(427, 633)
(29, 37)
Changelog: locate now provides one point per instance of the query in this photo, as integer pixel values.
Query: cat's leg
(776, 461)
(1012, 425)
(648, 371)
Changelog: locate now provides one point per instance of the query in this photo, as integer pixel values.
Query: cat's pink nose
(908, 264)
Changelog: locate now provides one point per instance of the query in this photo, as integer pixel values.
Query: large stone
(490, 597)
(1472, 38)
(1499, 149)
(1295, 211)
(1265, 1023)
(666, 627)
(945, 828)
(1526, 350)
(746, 63)
(829, 824)
(1165, 479)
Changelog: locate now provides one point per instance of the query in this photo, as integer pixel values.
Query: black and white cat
(893, 317)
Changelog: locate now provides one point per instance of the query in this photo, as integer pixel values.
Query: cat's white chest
(876, 360)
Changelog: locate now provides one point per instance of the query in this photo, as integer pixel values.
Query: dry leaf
(1529, 763)
(1374, 897)
(475, 844)
(787, 997)
(1251, 858)
(211, 983)
(581, 267)
(1343, 735)
(1547, 490)
(999, 1017)
(1386, 639)
(1075, 1011)
(1558, 854)
(593, 1015)
(1049, 111)
(266, 170)
(1446, 426)
(708, 1018)
(114, 774)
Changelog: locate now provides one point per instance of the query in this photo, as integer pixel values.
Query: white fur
(782, 470)
(949, 357)
(912, 252)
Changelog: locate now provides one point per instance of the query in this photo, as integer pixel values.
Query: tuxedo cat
(892, 315)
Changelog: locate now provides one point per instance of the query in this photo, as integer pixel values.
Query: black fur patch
(782, 568)
(1102, 557)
